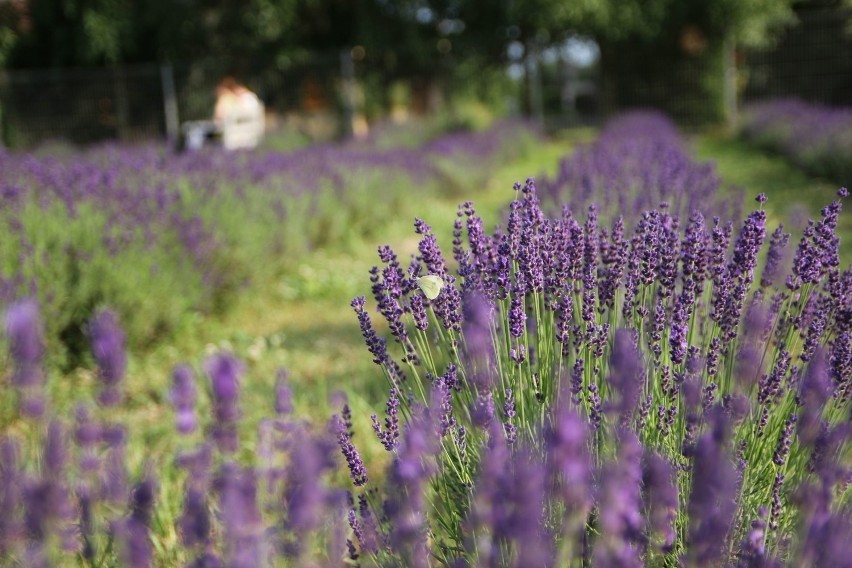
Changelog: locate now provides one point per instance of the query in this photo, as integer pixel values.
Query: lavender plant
(817, 138)
(638, 162)
(72, 497)
(157, 236)
(587, 394)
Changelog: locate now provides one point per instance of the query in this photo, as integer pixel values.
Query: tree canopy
(39, 33)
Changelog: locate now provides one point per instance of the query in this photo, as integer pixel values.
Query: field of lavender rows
(632, 365)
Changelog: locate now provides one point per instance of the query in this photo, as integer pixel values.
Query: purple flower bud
(482, 412)
(814, 393)
(568, 459)
(625, 376)
(182, 395)
(194, 521)
(26, 344)
(107, 340)
(10, 494)
(241, 521)
(509, 413)
(660, 495)
(389, 436)
(712, 499)
(224, 371)
(353, 459)
(620, 506)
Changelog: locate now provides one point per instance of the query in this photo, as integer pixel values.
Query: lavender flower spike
(26, 344)
(225, 370)
(182, 395)
(353, 459)
(108, 347)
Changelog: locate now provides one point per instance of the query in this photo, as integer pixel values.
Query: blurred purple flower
(182, 396)
(108, 347)
(225, 371)
(26, 345)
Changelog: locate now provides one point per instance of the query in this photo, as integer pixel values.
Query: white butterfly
(431, 285)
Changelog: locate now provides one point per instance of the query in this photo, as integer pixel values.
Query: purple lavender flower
(194, 521)
(26, 344)
(48, 511)
(182, 395)
(479, 355)
(406, 506)
(305, 496)
(568, 460)
(712, 498)
(752, 551)
(442, 399)
(224, 371)
(10, 494)
(626, 376)
(353, 459)
(841, 365)
(620, 506)
(517, 315)
(241, 521)
(660, 496)
(389, 435)
(107, 341)
(814, 393)
(133, 532)
(482, 411)
(509, 414)
(775, 257)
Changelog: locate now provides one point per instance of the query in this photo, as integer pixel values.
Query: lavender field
(626, 361)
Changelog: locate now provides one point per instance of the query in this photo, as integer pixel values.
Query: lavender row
(677, 393)
(118, 225)
(697, 416)
(638, 162)
(817, 138)
(71, 495)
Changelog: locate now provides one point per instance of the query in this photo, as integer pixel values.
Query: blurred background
(83, 71)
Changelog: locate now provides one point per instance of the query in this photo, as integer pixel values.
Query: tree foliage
(86, 32)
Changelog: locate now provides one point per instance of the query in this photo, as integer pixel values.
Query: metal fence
(148, 101)
(812, 60)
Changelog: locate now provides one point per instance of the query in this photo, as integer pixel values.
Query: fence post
(167, 78)
(3, 83)
(122, 109)
(730, 81)
(347, 76)
(533, 81)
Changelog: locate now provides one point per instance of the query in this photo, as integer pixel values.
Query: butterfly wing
(430, 285)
